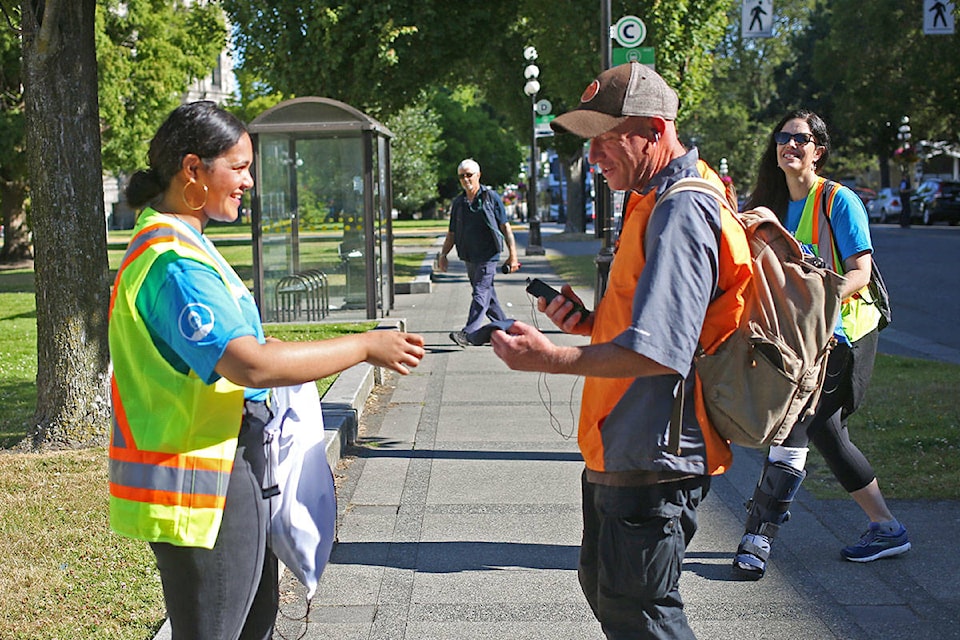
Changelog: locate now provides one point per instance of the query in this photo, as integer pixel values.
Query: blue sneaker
(874, 544)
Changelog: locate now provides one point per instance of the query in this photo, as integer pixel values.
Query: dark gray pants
(229, 592)
(634, 540)
(849, 369)
(484, 305)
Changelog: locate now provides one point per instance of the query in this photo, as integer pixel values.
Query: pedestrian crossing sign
(757, 19)
(938, 17)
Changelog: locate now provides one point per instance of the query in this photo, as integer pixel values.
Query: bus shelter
(321, 223)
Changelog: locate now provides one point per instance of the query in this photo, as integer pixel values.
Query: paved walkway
(460, 517)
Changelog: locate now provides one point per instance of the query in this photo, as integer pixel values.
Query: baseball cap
(630, 89)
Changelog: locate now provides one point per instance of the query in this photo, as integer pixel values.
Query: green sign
(643, 55)
(544, 119)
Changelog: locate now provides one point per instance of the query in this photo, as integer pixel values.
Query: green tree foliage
(753, 84)
(13, 162)
(375, 56)
(471, 129)
(148, 52)
(413, 155)
(890, 70)
(254, 96)
(862, 66)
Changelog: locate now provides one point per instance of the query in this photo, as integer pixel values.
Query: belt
(636, 478)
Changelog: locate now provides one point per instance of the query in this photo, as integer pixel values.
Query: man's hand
(561, 306)
(442, 263)
(524, 348)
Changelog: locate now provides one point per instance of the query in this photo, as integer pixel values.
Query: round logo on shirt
(196, 321)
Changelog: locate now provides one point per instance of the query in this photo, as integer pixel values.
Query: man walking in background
(479, 229)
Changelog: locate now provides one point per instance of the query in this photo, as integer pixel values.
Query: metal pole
(604, 218)
(534, 243)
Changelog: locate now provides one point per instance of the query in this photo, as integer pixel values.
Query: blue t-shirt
(192, 316)
(851, 230)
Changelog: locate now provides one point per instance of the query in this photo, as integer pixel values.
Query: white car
(885, 207)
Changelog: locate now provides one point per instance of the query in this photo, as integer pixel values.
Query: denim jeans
(229, 592)
(634, 540)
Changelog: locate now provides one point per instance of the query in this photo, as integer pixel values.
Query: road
(921, 266)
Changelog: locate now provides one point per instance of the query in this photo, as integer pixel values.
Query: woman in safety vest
(190, 385)
(830, 221)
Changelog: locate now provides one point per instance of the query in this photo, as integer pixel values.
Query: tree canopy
(148, 52)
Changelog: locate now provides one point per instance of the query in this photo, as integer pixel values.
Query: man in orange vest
(640, 494)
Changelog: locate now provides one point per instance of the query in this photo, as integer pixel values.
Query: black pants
(848, 374)
(634, 540)
(229, 592)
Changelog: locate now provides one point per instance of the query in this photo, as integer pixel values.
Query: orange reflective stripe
(167, 498)
(174, 460)
(146, 238)
(120, 415)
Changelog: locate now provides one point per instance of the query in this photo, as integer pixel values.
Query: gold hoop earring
(187, 202)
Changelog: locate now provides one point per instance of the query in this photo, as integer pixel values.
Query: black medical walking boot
(767, 511)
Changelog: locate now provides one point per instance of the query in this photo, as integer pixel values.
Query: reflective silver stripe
(118, 439)
(163, 230)
(172, 479)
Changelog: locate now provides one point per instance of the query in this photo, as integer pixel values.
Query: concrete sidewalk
(460, 517)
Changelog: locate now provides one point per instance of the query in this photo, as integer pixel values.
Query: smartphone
(540, 289)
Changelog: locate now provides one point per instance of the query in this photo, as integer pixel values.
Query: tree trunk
(16, 235)
(70, 242)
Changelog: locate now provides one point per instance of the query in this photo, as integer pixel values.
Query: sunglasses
(782, 137)
(466, 175)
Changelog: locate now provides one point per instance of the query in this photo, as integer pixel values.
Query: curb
(422, 282)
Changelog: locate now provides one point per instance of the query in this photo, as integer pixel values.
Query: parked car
(885, 207)
(936, 200)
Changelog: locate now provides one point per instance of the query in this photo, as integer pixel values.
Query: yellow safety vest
(174, 436)
(859, 314)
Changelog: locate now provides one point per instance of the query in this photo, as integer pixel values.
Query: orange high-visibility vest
(614, 315)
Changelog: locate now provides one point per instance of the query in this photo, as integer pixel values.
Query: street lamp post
(532, 86)
(603, 220)
(904, 135)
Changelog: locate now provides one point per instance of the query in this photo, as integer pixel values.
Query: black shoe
(460, 338)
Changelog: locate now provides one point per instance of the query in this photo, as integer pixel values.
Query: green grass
(909, 430)
(406, 226)
(63, 574)
(406, 266)
(18, 361)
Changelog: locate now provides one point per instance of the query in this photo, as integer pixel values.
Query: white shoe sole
(886, 553)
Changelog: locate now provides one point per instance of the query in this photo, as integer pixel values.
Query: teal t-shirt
(192, 316)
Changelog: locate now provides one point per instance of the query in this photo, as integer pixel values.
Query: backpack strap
(698, 185)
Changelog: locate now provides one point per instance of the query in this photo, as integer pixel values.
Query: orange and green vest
(859, 314)
(614, 314)
(174, 436)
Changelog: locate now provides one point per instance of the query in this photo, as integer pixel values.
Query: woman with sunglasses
(789, 184)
